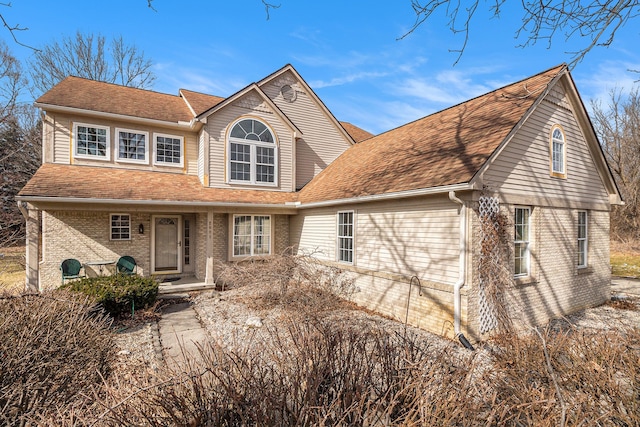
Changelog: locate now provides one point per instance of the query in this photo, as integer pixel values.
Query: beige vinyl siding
(61, 143)
(418, 237)
(201, 155)
(321, 141)
(59, 139)
(217, 127)
(523, 166)
(314, 232)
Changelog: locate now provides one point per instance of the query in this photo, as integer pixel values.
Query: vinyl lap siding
(523, 166)
(321, 141)
(417, 238)
(61, 140)
(217, 129)
(201, 158)
(408, 238)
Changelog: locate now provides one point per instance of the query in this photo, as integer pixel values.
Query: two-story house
(183, 182)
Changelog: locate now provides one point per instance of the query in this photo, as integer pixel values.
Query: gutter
(457, 299)
(190, 125)
(44, 199)
(23, 209)
(386, 196)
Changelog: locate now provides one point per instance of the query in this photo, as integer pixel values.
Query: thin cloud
(447, 87)
(349, 78)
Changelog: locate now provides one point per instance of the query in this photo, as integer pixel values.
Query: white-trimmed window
(251, 235)
(168, 150)
(120, 227)
(345, 236)
(91, 141)
(133, 146)
(558, 151)
(522, 255)
(583, 238)
(253, 153)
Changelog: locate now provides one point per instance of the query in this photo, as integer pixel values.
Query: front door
(166, 253)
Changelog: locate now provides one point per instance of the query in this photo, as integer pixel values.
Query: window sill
(522, 281)
(584, 270)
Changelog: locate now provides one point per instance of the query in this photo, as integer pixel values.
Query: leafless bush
(53, 351)
(296, 281)
(555, 377)
(308, 373)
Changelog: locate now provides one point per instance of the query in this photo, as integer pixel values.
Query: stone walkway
(180, 333)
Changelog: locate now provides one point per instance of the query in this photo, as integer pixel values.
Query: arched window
(252, 153)
(558, 153)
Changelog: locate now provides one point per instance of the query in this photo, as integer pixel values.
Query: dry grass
(625, 258)
(12, 269)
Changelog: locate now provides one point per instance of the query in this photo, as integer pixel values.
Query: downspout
(457, 300)
(23, 210)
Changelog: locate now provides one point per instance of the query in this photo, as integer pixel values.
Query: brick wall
(556, 287)
(85, 236)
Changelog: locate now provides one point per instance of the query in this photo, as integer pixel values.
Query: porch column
(208, 278)
(32, 243)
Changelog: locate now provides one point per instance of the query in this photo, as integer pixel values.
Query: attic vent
(288, 93)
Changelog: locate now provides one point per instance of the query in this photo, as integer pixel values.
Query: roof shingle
(445, 148)
(91, 95)
(90, 182)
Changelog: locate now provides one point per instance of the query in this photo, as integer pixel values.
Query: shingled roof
(91, 95)
(445, 148)
(106, 183)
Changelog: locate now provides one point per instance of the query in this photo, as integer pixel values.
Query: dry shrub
(53, 350)
(297, 282)
(574, 377)
(307, 373)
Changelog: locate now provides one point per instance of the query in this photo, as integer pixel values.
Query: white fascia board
(71, 110)
(388, 196)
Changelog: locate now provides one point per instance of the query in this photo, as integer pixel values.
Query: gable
(523, 168)
(253, 105)
(323, 138)
(444, 149)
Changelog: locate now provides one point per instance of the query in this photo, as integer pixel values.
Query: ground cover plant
(625, 259)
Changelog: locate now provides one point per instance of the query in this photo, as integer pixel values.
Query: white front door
(166, 253)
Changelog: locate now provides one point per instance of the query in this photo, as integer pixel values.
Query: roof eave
(190, 125)
(128, 202)
(390, 196)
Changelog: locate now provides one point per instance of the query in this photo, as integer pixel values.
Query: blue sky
(348, 51)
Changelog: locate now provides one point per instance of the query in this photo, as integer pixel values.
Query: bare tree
(594, 23)
(618, 126)
(87, 55)
(12, 81)
(19, 145)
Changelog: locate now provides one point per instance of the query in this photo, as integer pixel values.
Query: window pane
(345, 236)
(262, 235)
(131, 146)
(242, 235)
(521, 241)
(168, 150)
(120, 227)
(91, 141)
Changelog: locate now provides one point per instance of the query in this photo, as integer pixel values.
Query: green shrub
(118, 293)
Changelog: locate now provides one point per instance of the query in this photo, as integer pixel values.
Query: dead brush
(574, 377)
(298, 282)
(313, 372)
(54, 350)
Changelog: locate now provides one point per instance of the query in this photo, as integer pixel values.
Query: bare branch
(593, 23)
(268, 6)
